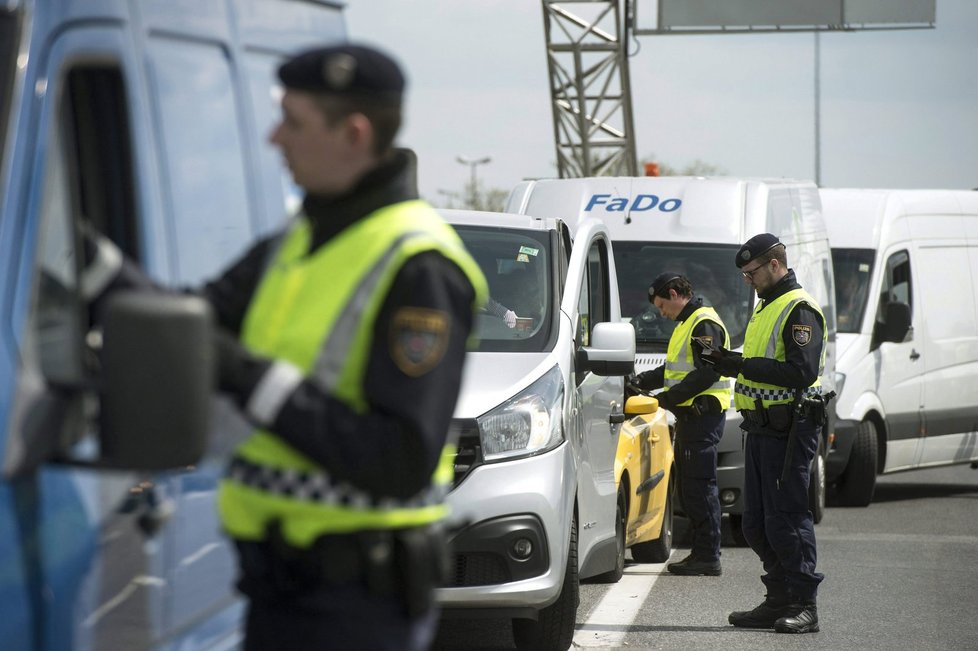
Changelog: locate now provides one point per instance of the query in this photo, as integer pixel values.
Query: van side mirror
(896, 323)
(612, 350)
(157, 380)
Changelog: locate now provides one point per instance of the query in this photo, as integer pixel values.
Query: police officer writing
(699, 398)
(778, 394)
(342, 340)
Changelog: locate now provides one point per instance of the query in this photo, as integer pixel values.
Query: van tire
(621, 515)
(554, 627)
(816, 484)
(858, 481)
(658, 550)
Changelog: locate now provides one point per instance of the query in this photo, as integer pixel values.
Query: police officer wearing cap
(777, 384)
(341, 340)
(699, 398)
(347, 334)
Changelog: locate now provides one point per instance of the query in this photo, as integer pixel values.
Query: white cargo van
(538, 416)
(694, 225)
(906, 264)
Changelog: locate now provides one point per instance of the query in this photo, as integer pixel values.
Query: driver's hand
(510, 318)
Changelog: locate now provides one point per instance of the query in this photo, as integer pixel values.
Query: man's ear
(359, 131)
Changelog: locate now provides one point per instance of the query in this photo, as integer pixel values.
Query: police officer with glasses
(778, 394)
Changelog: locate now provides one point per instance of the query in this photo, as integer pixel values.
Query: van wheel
(816, 484)
(858, 481)
(554, 626)
(657, 551)
(621, 513)
(737, 529)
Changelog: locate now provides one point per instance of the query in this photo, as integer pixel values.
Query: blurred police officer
(342, 340)
(699, 398)
(777, 393)
(345, 337)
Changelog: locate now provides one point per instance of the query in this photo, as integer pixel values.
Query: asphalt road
(899, 574)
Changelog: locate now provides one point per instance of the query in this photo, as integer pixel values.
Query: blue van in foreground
(145, 120)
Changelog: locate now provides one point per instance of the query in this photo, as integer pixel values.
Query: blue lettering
(596, 200)
(650, 198)
(673, 205)
(619, 204)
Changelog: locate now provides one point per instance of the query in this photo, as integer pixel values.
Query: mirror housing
(158, 372)
(612, 351)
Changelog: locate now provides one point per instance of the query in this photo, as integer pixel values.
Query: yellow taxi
(643, 475)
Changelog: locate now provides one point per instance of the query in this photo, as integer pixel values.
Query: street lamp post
(473, 163)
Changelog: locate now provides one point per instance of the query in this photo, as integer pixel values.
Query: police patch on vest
(802, 334)
(418, 339)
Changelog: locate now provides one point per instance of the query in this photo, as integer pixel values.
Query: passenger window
(593, 306)
(204, 157)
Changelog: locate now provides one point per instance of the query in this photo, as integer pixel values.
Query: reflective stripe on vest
(327, 335)
(679, 356)
(764, 338)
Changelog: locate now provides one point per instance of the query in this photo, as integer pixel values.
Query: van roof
(723, 210)
(497, 219)
(857, 217)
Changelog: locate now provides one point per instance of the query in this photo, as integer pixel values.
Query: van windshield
(853, 269)
(518, 264)
(8, 55)
(709, 267)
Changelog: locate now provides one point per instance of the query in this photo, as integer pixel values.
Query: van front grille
(478, 568)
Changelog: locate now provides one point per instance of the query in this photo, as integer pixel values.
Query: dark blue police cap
(755, 247)
(661, 281)
(345, 68)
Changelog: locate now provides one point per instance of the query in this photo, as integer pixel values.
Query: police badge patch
(802, 334)
(418, 339)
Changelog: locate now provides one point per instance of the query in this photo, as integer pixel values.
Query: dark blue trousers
(697, 438)
(777, 521)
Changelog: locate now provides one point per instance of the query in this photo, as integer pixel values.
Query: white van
(906, 262)
(694, 225)
(538, 416)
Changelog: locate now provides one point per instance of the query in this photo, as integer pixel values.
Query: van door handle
(616, 418)
(914, 355)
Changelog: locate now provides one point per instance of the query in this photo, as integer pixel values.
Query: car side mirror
(157, 380)
(612, 350)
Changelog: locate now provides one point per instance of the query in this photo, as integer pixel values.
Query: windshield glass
(8, 54)
(709, 267)
(852, 268)
(518, 266)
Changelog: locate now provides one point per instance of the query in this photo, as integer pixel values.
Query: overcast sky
(898, 108)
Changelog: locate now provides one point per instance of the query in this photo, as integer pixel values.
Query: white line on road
(609, 621)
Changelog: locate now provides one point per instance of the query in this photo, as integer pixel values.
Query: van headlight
(528, 423)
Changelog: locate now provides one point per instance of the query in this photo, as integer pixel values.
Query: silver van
(538, 417)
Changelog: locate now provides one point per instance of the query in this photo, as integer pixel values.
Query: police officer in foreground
(342, 340)
(699, 398)
(777, 393)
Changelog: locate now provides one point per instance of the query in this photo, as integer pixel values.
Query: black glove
(725, 362)
(665, 400)
(238, 371)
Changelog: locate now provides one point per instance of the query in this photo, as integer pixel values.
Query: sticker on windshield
(522, 257)
(529, 251)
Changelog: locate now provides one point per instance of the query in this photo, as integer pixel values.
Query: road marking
(610, 619)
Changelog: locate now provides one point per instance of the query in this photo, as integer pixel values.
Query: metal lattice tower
(589, 88)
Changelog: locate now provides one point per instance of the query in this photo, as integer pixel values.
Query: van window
(204, 157)
(8, 66)
(853, 270)
(710, 269)
(896, 283)
(519, 267)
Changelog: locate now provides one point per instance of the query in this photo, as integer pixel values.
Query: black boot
(692, 566)
(764, 616)
(804, 619)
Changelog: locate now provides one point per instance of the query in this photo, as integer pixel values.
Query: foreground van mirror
(612, 350)
(157, 380)
(897, 323)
